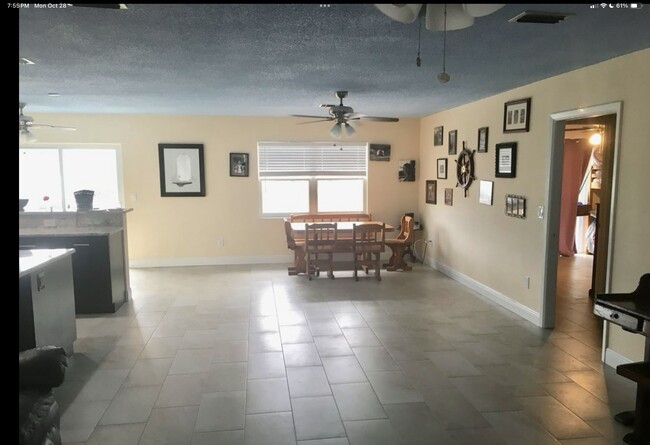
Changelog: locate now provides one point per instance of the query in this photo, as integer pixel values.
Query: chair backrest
(368, 238)
(320, 236)
(406, 229)
(288, 231)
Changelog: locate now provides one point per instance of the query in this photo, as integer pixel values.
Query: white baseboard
(209, 261)
(613, 358)
(489, 293)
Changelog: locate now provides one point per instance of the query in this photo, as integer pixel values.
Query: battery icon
(636, 5)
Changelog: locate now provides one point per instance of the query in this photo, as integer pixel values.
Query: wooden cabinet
(98, 268)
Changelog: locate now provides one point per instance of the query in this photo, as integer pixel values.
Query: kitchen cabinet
(99, 272)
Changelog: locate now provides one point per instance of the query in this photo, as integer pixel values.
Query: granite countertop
(32, 260)
(62, 231)
(41, 212)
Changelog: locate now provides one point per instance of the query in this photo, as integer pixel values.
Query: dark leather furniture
(39, 370)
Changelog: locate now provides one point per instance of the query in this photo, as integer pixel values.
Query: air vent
(540, 17)
(23, 61)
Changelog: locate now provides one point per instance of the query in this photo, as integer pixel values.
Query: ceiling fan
(342, 115)
(459, 16)
(26, 123)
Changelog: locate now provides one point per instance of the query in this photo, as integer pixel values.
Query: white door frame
(556, 146)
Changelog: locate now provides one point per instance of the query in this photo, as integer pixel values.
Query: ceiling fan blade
(55, 127)
(378, 118)
(403, 13)
(312, 116)
(327, 106)
(481, 10)
(320, 120)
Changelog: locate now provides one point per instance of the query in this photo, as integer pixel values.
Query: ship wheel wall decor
(465, 168)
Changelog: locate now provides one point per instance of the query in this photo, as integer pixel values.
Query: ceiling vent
(540, 17)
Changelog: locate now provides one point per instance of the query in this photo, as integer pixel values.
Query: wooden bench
(329, 217)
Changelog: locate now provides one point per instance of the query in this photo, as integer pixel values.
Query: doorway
(607, 119)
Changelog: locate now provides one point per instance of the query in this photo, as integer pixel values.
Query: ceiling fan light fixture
(336, 131)
(349, 130)
(26, 136)
(403, 13)
(457, 18)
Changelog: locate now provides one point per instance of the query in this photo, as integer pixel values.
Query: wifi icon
(603, 5)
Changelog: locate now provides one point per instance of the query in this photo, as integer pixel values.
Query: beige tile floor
(250, 355)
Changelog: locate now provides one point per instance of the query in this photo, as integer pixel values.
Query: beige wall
(483, 244)
(475, 241)
(174, 230)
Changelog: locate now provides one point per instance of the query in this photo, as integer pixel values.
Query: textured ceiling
(282, 59)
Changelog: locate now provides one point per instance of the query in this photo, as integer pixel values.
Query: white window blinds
(311, 159)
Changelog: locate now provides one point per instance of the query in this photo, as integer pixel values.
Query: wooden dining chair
(400, 244)
(368, 240)
(320, 238)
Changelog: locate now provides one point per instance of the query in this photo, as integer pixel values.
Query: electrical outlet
(220, 242)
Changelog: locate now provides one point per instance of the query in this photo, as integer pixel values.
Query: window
(57, 172)
(312, 177)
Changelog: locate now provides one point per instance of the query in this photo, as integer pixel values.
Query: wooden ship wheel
(465, 168)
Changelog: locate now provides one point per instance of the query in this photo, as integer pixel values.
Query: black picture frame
(379, 152)
(239, 164)
(442, 168)
(181, 169)
(453, 142)
(431, 191)
(438, 136)
(482, 142)
(505, 163)
(516, 116)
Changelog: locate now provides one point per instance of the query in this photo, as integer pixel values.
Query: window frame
(312, 178)
(76, 146)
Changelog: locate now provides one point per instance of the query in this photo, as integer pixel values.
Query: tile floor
(250, 355)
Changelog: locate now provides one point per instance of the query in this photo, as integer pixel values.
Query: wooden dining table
(343, 242)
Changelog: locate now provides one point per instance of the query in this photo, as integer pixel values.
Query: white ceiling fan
(26, 124)
(459, 16)
(342, 115)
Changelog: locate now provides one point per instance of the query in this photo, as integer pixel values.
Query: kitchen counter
(62, 231)
(46, 299)
(31, 260)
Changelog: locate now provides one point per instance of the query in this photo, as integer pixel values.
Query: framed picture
(379, 152)
(449, 197)
(406, 171)
(516, 206)
(506, 160)
(485, 192)
(181, 170)
(442, 168)
(516, 116)
(482, 140)
(432, 187)
(438, 134)
(453, 134)
(238, 164)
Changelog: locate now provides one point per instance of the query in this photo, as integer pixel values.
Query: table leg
(396, 261)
